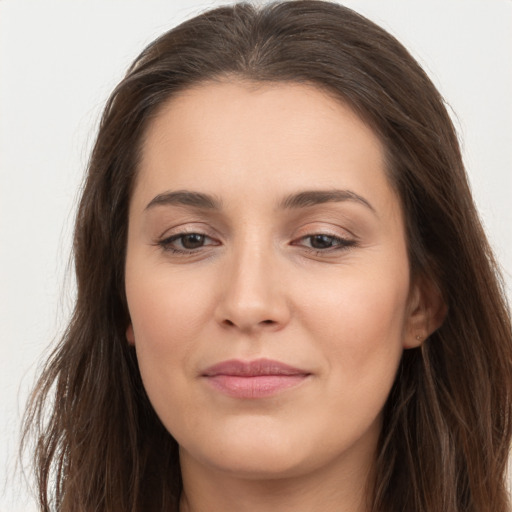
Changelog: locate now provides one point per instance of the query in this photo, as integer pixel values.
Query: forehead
(254, 108)
(263, 137)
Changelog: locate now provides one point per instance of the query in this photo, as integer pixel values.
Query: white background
(58, 62)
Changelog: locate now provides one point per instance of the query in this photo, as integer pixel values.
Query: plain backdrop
(58, 62)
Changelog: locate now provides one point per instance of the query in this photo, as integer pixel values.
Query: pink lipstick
(253, 379)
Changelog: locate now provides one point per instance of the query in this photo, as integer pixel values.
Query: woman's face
(267, 279)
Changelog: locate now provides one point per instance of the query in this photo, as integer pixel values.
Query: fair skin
(320, 285)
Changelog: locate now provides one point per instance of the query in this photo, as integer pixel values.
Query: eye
(192, 240)
(185, 243)
(321, 243)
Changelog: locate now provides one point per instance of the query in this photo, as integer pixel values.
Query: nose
(252, 292)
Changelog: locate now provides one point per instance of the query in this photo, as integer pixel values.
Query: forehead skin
(203, 117)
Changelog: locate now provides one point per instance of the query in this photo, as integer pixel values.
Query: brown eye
(192, 240)
(322, 241)
(186, 243)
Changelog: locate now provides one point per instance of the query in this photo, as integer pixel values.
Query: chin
(263, 455)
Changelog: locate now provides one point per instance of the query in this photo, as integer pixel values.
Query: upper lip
(253, 368)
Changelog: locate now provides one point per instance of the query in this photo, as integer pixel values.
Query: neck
(328, 489)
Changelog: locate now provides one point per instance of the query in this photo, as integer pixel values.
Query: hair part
(447, 422)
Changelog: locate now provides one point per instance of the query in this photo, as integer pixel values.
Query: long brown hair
(447, 422)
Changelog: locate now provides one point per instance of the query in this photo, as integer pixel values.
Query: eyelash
(342, 243)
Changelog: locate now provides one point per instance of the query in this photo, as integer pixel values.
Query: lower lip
(259, 386)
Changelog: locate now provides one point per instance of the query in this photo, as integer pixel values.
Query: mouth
(253, 379)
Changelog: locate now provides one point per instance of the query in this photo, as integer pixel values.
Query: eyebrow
(314, 197)
(186, 198)
(302, 199)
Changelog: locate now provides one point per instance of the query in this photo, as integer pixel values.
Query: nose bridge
(252, 271)
(253, 295)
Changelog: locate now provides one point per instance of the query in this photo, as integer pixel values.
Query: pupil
(321, 241)
(192, 241)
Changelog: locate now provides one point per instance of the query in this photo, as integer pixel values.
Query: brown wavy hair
(99, 445)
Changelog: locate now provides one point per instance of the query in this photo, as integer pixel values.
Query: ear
(425, 313)
(130, 336)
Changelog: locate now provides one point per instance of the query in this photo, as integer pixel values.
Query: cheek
(357, 305)
(166, 307)
(359, 325)
(168, 313)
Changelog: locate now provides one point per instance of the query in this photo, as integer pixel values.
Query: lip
(259, 378)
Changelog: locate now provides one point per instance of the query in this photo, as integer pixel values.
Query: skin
(256, 287)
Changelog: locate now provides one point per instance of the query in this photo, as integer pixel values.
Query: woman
(285, 296)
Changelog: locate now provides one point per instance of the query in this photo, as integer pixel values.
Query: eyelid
(187, 228)
(324, 228)
(343, 239)
(171, 236)
(182, 234)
